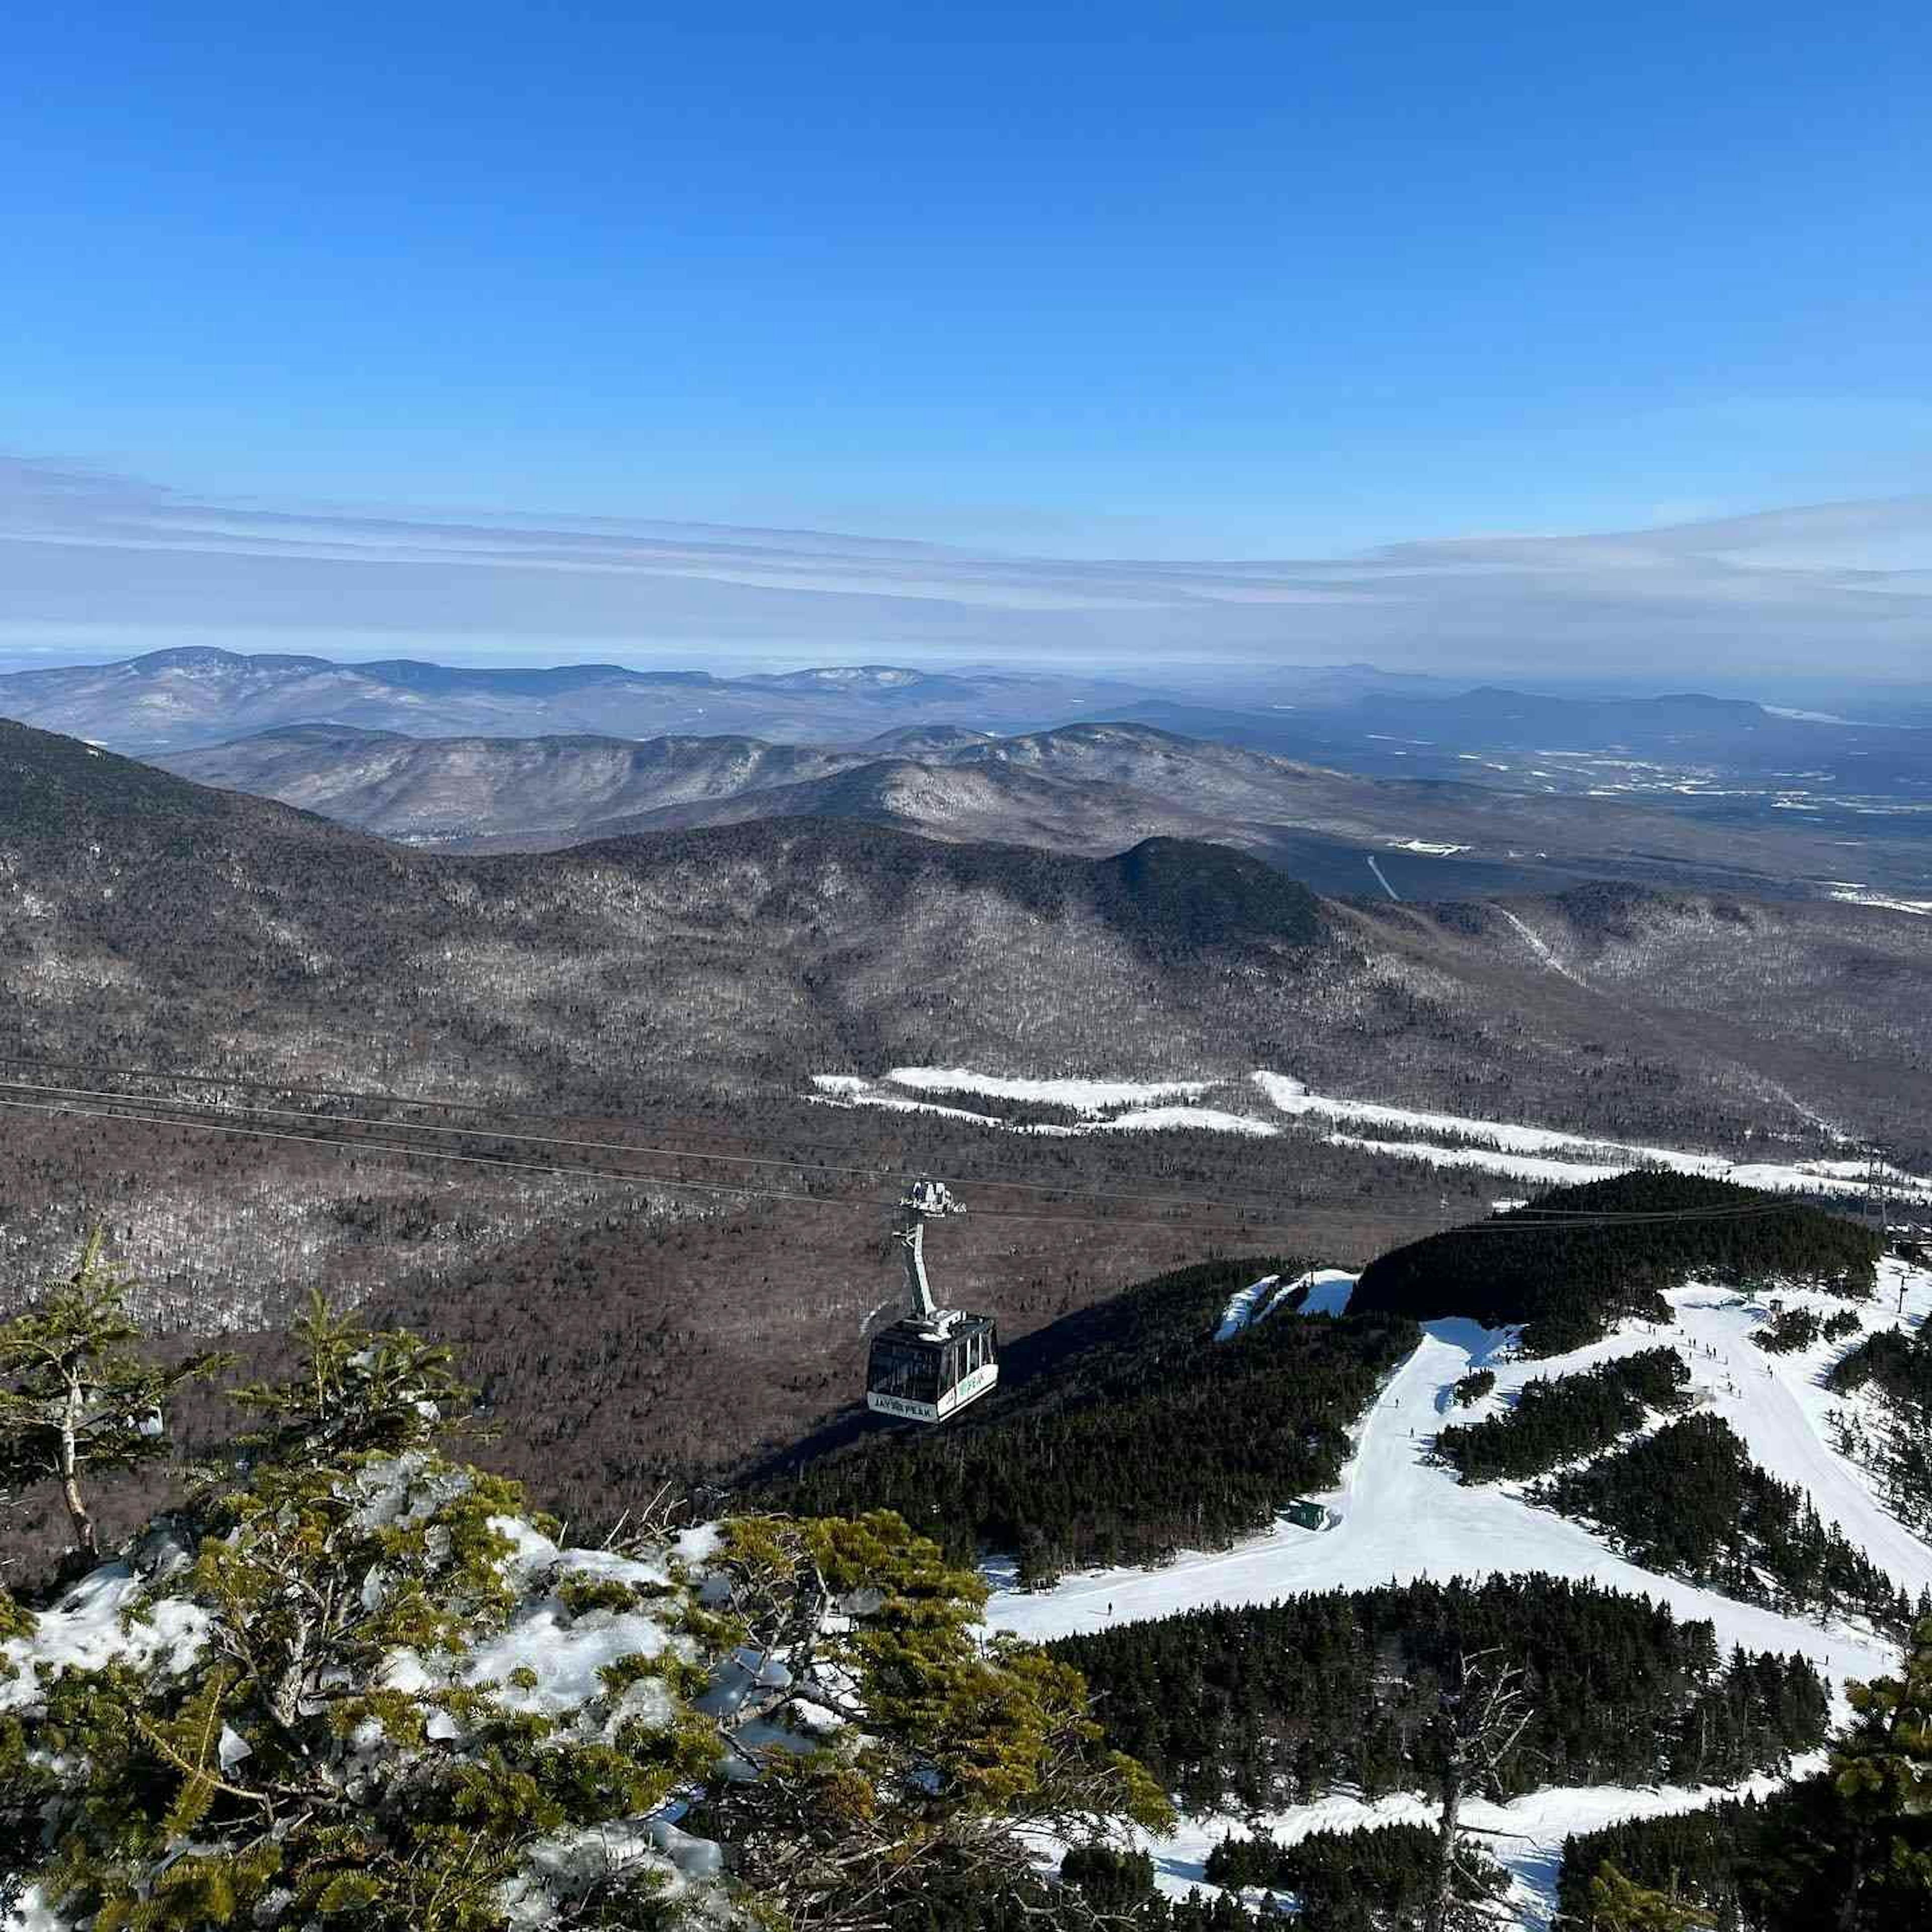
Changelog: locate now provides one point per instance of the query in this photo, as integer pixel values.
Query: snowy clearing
(1089, 1095)
(1859, 896)
(1155, 1119)
(1513, 1166)
(1529, 1830)
(1251, 1306)
(1549, 1156)
(1239, 1312)
(1522, 1152)
(1539, 947)
(1328, 1291)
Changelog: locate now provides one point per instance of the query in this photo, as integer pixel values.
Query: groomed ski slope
(1401, 1518)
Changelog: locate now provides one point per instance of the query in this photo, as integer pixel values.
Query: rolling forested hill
(1568, 1277)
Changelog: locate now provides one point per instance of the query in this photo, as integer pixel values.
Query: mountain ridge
(1091, 787)
(195, 695)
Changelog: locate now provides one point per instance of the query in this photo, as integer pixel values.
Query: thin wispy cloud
(94, 564)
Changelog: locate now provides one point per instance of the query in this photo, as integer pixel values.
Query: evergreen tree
(353, 1391)
(1881, 1770)
(358, 1681)
(76, 1400)
(1849, 1851)
(1620, 1904)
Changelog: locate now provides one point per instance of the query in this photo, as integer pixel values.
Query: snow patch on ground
(893, 1103)
(1154, 1120)
(1239, 1312)
(1328, 1291)
(1323, 1292)
(1549, 1156)
(1088, 1095)
(1528, 1832)
(1540, 947)
(97, 1623)
(1515, 1166)
(1922, 907)
(1529, 1153)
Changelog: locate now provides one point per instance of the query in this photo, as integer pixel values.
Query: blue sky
(1157, 281)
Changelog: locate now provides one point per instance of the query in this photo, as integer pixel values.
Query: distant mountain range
(1685, 746)
(1085, 788)
(682, 988)
(167, 700)
(1725, 761)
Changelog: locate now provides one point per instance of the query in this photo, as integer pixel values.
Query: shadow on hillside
(1023, 1365)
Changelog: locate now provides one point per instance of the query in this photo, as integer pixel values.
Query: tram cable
(671, 1183)
(1519, 1218)
(117, 1107)
(871, 1172)
(372, 1097)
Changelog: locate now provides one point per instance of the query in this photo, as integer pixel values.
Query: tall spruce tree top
(1618, 1904)
(77, 1397)
(354, 1389)
(1882, 1771)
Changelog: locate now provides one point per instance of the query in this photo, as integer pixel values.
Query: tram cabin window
(906, 1370)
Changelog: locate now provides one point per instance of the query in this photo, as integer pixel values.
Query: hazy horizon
(95, 568)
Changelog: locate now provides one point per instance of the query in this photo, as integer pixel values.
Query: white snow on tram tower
(922, 1200)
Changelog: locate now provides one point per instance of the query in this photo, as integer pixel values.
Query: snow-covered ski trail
(1401, 1518)
(1538, 945)
(1525, 1836)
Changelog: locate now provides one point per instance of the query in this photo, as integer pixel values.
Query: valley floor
(1398, 1517)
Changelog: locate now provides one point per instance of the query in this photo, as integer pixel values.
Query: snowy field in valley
(1863, 895)
(1266, 1104)
(1397, 1518)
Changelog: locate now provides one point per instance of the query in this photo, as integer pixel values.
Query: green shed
(1305, 1515)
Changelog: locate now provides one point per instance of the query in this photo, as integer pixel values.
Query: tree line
(1351, 1881)
(1266, 1706)
(1568, 1416)
(1569, 1284)
(1894, 1365)
(1849, 1849)
(1690, 1502)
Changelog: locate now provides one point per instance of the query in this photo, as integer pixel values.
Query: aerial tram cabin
(932, 1361)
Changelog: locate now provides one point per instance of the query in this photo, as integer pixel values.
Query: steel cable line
(1519, 1217)
(511, 1114)
(115, 1111)
(118, 1108)
(1579, 1216)
(169, 1113)
(872, 1173)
